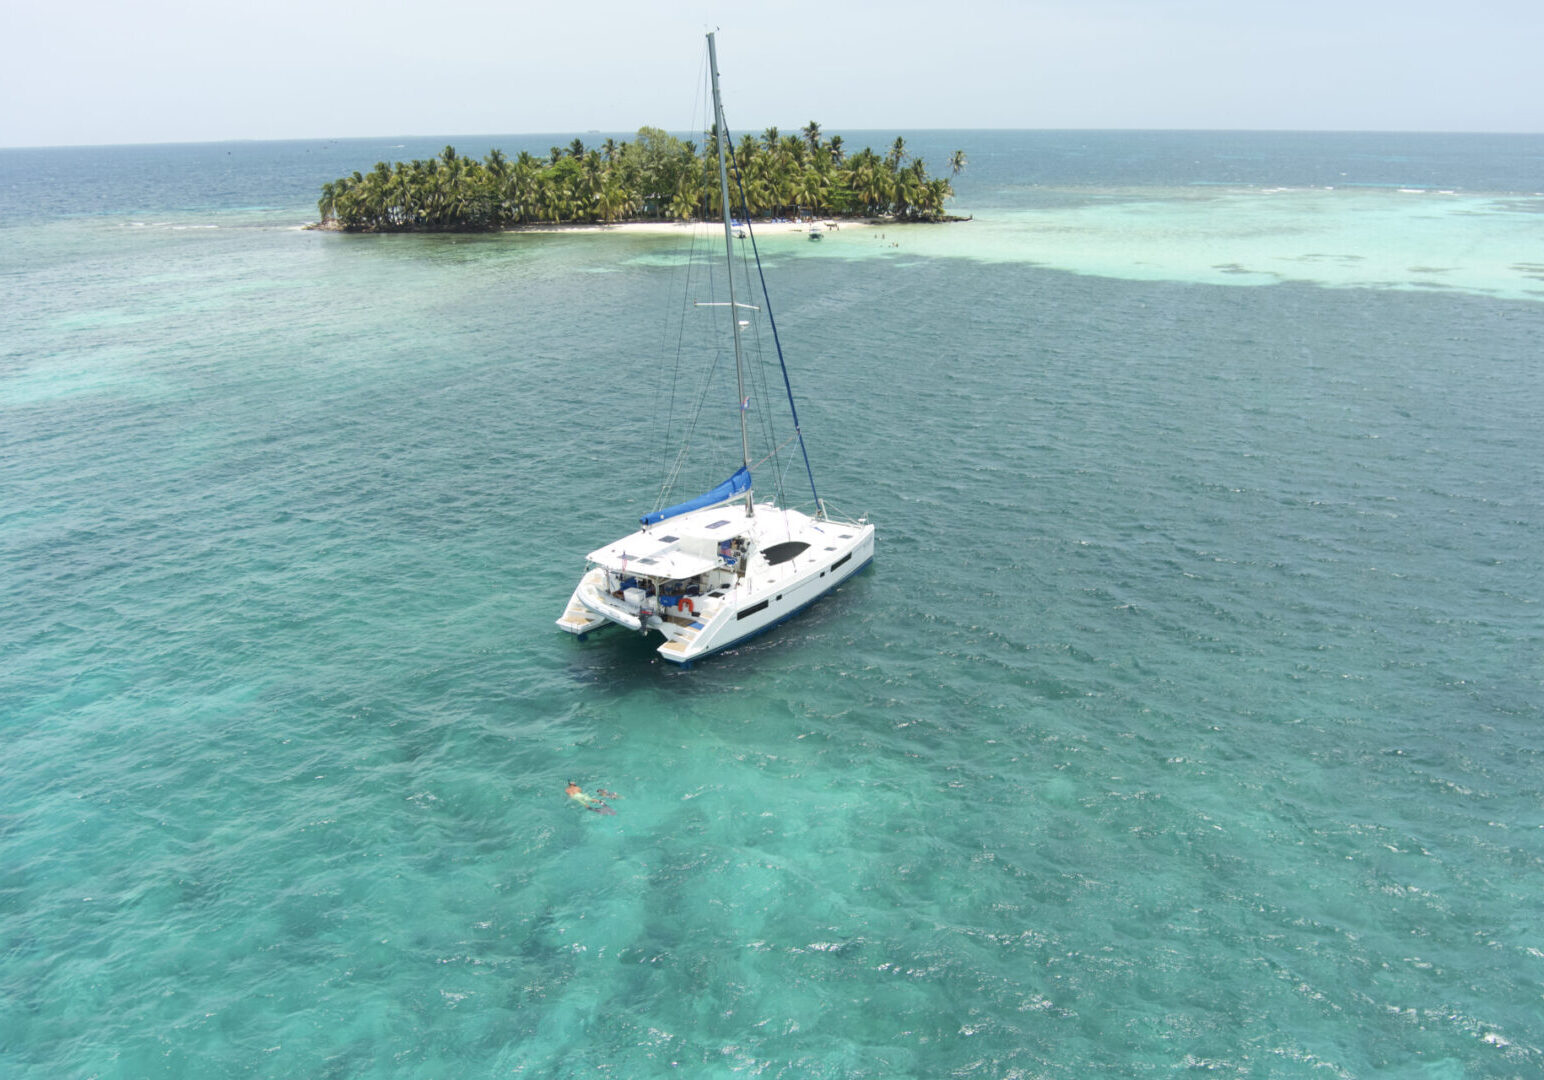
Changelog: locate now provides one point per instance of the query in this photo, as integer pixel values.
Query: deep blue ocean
(1186, 723)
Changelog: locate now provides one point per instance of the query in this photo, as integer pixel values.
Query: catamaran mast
(722, 132)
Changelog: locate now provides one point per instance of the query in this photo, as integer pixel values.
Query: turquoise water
(1186, 721)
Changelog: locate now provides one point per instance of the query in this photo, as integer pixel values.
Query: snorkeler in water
(589, 802)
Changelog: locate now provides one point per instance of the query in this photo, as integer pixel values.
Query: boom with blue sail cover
(738, 484)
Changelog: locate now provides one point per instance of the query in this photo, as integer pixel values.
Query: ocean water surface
(1186, 722)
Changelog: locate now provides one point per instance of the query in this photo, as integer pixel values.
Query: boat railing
(836, 516)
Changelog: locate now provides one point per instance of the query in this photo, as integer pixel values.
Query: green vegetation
(656, 177)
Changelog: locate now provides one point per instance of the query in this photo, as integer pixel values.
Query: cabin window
(840, 561)
(752, 610)
(781, 553)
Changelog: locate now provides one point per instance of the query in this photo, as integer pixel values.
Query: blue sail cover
(737, 484)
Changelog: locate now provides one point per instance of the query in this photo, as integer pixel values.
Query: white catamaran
(715, 570)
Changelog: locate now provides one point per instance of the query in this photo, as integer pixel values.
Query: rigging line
(777, 341)
(675, 313)
(690, 425)
(685, 413)
(687, 423)
(772, 454)
(780, 468)
(708, 386)
(759, 381)
(768, 422)
(685, 274)
(765, 419)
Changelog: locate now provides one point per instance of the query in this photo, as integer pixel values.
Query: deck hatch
(781, 553)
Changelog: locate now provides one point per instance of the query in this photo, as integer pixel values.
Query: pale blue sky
(195, 70)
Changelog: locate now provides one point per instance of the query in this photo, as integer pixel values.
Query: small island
(656, 177)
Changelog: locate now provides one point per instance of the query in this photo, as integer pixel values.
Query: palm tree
(377, 201)
(614, 199)
(745, 153)
(353, 204)
(812, 135)
(407, 183)
(956, 163)
(897, 153)
(750, 188)
(905, 191)
(781, 185)
(933, 196)
(401, 196)
(590, 179)
(794, 150)
(553, 199)
(522, 187)
(869, 182)
(814, 191)
(686, 201)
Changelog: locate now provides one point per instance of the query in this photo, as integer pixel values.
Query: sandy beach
(674, 228)
(655, 228)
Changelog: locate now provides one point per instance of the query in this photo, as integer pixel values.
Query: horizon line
(243, 140)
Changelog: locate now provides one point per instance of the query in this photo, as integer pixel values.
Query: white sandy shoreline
(659, 228)
(675, 228)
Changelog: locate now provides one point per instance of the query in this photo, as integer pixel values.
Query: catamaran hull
(774, 618)
(755, 614)
(725, 617)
